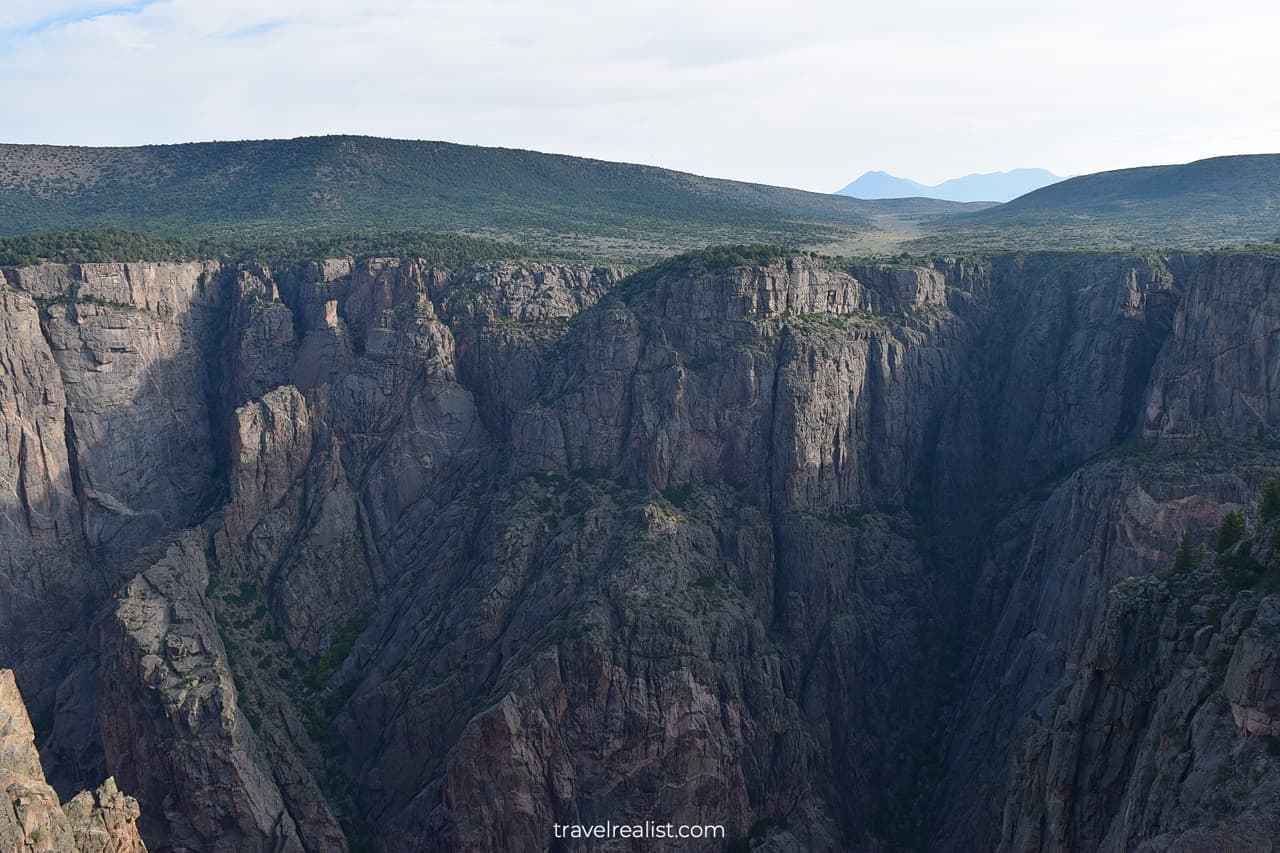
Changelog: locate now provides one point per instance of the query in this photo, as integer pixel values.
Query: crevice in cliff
(1157, 321)
(288, 285)
(21, 484)
(628, 418)
(219, 407)
(73, 464)
(771, 485)
(811, 661)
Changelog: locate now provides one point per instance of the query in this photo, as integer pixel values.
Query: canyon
(373, 554)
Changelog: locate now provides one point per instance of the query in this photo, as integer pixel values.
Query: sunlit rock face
(31, 819)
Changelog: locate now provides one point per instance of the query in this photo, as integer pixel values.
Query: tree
(1230, 531)
(1269, 510)
(1188, 556)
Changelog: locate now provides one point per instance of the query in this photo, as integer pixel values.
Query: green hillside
(1216, 202)
(347, 184)
(319, 188)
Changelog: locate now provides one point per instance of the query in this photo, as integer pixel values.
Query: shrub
(678, 496)
(343, 642)
(248, 592)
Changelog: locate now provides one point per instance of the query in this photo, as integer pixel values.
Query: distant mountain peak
(989, 186)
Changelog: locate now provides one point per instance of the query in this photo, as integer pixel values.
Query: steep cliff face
(1146, 749)
(1047, 590)
(380, 554)
(31, 819)
(129, 342)
(45, 555)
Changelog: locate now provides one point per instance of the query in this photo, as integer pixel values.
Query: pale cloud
(805, 93)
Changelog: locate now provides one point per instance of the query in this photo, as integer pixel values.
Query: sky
(798, 93)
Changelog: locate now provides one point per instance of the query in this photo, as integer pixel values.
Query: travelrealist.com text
(648, 829)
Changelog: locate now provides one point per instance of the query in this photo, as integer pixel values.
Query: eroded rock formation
(31, 818)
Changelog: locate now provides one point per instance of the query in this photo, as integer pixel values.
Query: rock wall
(383, 556)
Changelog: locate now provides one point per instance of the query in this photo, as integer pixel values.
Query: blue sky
(805, 93)
(24, 25)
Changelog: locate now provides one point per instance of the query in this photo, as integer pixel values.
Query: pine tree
(1187, 557)
(1230, 531)
(1269, 510)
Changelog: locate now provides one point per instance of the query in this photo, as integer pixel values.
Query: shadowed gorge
(392, 554)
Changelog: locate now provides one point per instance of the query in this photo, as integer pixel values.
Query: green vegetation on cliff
(1241, 558)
